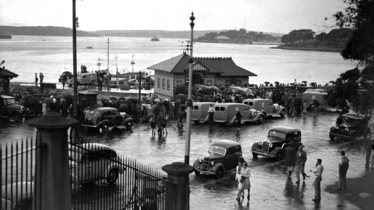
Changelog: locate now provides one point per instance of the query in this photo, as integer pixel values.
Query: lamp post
(189, 100)
(75, 60)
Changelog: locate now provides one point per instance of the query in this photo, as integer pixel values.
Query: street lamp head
(192, 18)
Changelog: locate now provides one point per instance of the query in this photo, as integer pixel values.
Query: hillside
(41, 31)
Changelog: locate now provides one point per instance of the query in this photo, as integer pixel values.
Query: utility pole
(75, 60)
(98, 64)
(132, 63)
(117, 71)
(140, 85)
(189, 100)
(108, 54)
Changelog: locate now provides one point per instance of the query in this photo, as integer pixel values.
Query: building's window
(158, 83)
(168, 84)
(163, 83)
(233, 81)
(179, 83)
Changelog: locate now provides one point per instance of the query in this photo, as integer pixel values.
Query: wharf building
(218, 71)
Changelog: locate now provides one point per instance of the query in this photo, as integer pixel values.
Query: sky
(280, 16)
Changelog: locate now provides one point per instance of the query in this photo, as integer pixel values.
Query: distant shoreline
(307, 49)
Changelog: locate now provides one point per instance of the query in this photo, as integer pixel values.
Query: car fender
(101, 122)
(263, 112)
(275, 151)
(259, 114)
(114, 166)
(333, 128)
(218, 165)
(255, 146)
(127, 120)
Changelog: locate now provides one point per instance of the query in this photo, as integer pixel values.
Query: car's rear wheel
(220, 173)
(255, 155)
(16, 116)
(105, 127)
(197, 172)
(280, 155)
(112, 176)
(260, 120)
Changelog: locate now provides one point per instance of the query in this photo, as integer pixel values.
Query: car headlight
(347, 129)
(270, 144)
(255, 114)
(260, 142)
(212, 163)
(278, 108)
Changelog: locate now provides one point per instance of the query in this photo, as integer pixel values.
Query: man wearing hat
(300, 163)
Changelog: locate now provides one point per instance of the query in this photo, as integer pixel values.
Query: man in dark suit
(290, 158)
(301, 158)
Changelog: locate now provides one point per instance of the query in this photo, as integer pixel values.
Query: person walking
(343, 168)
(180, 117)
(290, 157)
(317, 181)
(244, 182)
(211, 115)
(371, 160)
(301, 158)
(339, 120)
(238, 118)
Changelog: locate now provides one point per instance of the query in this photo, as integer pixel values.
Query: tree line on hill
(41, 31)
(336, 38)
(237, 35)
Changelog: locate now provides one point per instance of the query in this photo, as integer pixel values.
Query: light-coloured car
(91, 162)
(265, 106)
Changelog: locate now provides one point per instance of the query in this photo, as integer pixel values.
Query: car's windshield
(277, 134)
(350, 120)
(94, 113)
(9, 101)
(217, 150)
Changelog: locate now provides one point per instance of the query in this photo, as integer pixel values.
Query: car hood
(346, 125)
(213, 157)
(15, 106)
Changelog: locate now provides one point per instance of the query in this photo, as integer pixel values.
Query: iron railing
(101, 179)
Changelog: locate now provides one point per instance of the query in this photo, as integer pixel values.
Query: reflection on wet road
(270, 185)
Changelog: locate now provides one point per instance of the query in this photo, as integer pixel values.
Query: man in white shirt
(317, 182)
(211, 115)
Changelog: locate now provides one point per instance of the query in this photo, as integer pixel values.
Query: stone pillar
(179, 197)
(52, 183)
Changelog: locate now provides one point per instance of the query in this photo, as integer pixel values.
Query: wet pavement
(271, 187)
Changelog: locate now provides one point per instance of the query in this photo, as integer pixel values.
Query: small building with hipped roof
(218, 71)
(5, 77)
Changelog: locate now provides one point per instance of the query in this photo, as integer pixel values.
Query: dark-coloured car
(107, 117)
(9, 109)
(353, 126)
(68, 75)
(274, 145)
(92, 162)
(222, 157)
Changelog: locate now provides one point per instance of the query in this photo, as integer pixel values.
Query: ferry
(155, 39)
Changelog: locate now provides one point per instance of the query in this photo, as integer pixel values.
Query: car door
(230, 159)
(117, 118)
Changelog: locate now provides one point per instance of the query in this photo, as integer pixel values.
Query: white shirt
(211, 109)
(318, 170)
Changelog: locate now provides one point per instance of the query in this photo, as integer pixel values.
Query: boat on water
(155, 39)
(89, 47)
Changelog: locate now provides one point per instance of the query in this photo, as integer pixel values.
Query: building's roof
(7, 73)
(223, 66)
(222, 37)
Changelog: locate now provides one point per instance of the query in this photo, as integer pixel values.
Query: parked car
(87, 78)
(92, 162)
(353, 126)
(315, 94)
(274, 145)
(17, 195)
(266, 107)
(225, 113)
(107, 117)
(68, 74)
(199, 112)
(222, 156)
(10, 110)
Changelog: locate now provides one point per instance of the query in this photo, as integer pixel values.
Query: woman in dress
(371, 160)
(244, 182)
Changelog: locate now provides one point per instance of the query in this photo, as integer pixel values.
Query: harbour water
(27, 55)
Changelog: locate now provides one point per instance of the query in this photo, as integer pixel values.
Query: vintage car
(225, 113)
(199, 112)
(92, 162)
(273, 146)
(223, 155)
(107, 117)
(315, 94)
(68, 75)
(353, 126)
(17, 195)
(266, 107)
(10, 110)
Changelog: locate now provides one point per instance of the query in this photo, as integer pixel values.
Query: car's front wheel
(128, 125)
(255, 155)
(105, 127)
(16, 116)
(220, 173)
(280, 155)
(112, 176)
(260, 120)
(283, 113)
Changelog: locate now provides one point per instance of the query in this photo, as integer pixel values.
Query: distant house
(208, 71)
(222, 39)
(5, 77)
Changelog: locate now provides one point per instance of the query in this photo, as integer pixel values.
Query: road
(271, 187)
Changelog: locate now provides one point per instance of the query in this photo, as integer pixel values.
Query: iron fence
(100, 179)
